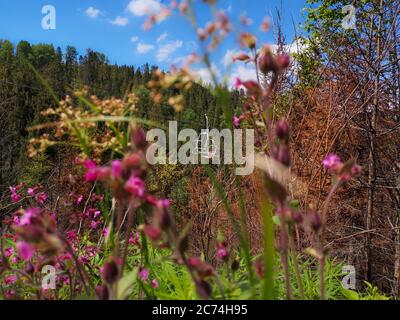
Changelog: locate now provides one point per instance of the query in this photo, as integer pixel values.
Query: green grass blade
(269, 249)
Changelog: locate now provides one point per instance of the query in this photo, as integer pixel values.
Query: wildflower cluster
(82, 115)
(178, 80)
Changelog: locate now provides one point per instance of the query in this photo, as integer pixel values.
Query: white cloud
(165, 51)
(205, 75)
(191, 45)
(92, 12)
(179, 60)
(243, 72)
(143, 48)
(144, 7)
(162, 37)
(227, 60)
(120, 21)
(294, 47)
(135, 39)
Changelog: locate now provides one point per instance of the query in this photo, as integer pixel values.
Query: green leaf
(126, 283)
(350, 294)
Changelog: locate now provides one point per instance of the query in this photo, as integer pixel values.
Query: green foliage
(33, 171)
(371, 293)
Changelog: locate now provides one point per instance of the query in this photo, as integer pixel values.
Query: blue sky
(114, 27)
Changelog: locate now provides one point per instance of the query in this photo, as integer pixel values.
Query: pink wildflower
(345, 176)
(222, 253)
(64, 256)
(83, 259)
(152, 232)
(93, 172)
(10, 279)
(16, 220)
(134, 239)
(332, 162)
(152, 200)
(64, 279)
(154, 283)
(31, 192)
(25, 250)
(15, 197)
(8, 251)
(163, 203)
(135, 186)
(236, 121)
(116, 168)
(105, 232)
(10, 294)
(28, 214)
(194, 262)
(71, 235)
(41, 198)
(144, 274)
(356, 169)
(94, 224)
(237, 83)
(79, 200)
(96, 214)
(91, 251)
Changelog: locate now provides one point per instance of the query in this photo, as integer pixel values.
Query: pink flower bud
(248, 40)
(315, 221)
(202, 34)
(139, 138)
(241, 57)
(283, 155)
(282, 130)
(203, 289)
(110, 271)
(356, 169)
(283, 61)
(152, 232)
(133, 160)
(266, 61)
(102, 292)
